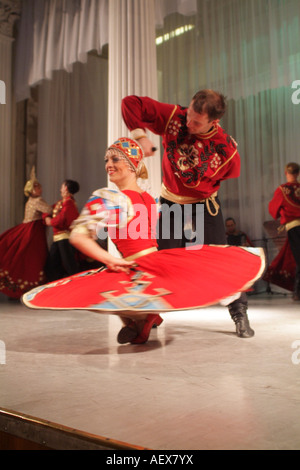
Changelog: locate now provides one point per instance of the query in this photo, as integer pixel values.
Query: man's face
(230, 226)
(64, 190)
(198, 123)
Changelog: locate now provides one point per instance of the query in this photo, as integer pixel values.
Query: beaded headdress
(133, 154)
(28, 188)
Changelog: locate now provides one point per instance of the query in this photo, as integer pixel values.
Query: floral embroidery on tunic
(292, 193)
(215, 162)
(189, 157)
(174, 126)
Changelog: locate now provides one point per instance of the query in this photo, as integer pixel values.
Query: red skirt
(23, 254)
(282, 270)
(162, 281)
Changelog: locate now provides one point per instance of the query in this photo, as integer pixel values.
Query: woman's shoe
(150, 321)
(127, 333)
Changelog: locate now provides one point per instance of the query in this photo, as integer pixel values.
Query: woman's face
(117, 169)
(37, 190)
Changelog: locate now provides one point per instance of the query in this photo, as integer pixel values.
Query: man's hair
(292, 168)
(229, 218)
(210, 102)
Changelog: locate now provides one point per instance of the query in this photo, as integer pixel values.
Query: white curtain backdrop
(249, 50)
(72, 129)
(164, 8)
(252, 45)
(55, 34)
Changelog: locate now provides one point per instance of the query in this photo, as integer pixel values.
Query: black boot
(296, 293)
(238, 313)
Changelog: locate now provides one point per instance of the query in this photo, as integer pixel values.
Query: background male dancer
(286, 205)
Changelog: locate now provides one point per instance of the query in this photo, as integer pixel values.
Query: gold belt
(61, 236)
(141, 253)
(292, 224)
(191, 200)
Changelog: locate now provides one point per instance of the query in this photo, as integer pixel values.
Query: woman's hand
(119, 265)
(90, 247)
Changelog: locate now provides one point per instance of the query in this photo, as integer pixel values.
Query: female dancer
(144, 282)
(23, 248)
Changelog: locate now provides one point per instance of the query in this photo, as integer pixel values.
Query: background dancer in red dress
(143, 282)
(198, 156)
(23, 248)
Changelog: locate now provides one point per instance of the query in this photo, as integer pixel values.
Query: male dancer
(198, 155)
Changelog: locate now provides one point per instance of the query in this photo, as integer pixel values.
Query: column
(132, 68)
(9, 12)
